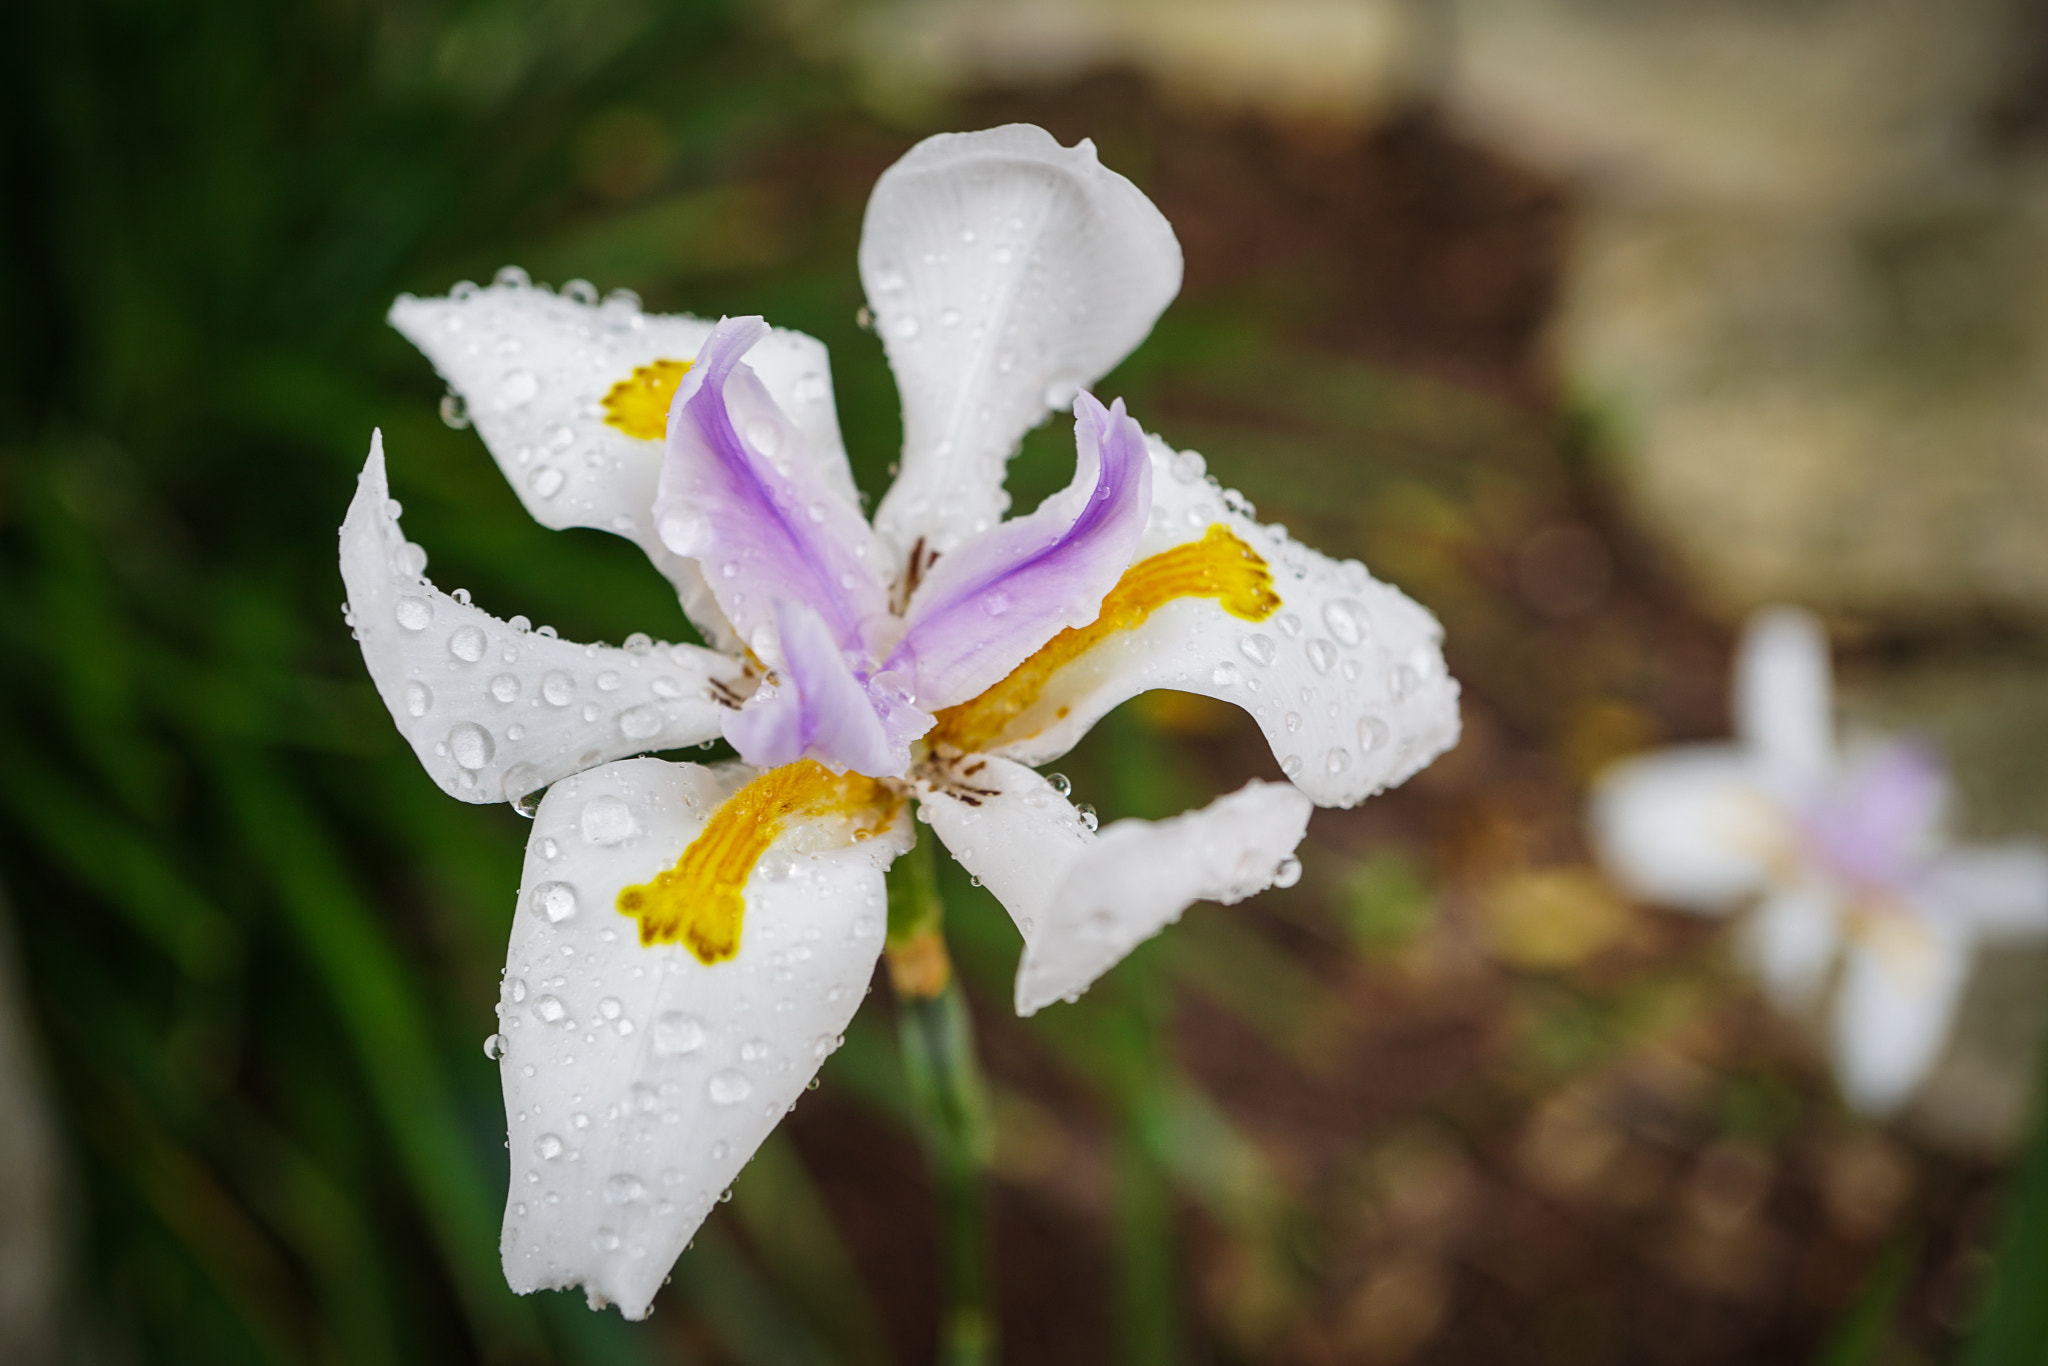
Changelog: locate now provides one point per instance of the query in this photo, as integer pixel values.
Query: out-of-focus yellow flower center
(701, 901)
(638, 404)
(1219, 566)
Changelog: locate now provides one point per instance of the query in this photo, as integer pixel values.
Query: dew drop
(467, 644)
(1224, 674)
(494, 1047)
(547, 1147)
(518, 388)
(1061, 783)
(1086, 815)
(1372, 734)
(505, 688)
(1337, 760)
(1291, 766)
(623, 1189)
(608, 821)
(558, 688)
(414, 614)
(1346, 620)
(1258, 648)
(550, 1010)
(1321, 654)
(904, 328)
(1288, 872)
(608, 681)
(553, 901)
(546, 481)
(1189, 466)
(470, 745)
(639, 723)
(419, 699)
(454, 411)
(677, 1033)
(729, 1087)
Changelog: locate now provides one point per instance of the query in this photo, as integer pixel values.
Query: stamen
(702, 900)
(638, 404)
(1219, 566)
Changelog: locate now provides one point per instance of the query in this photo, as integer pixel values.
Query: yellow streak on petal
(1219, 566)
(702, 900)
(638, 404)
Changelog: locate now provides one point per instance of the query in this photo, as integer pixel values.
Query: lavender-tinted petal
(741, 494)
(985, 608)
(1882, 820)
(821, 710)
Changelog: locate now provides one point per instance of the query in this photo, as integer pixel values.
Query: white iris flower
(1855, 885)
(691, 940)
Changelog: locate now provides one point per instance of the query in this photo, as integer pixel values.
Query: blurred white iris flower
(691, 940)
(1856, 887)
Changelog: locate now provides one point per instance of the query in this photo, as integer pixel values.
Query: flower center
(1219, 566)
(702, 899)
(638, 404)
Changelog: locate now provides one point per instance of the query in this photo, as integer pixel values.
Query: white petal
(1791, 941)
(1005, 273)
(1081, 900)
(1784, 697)
(1347, 678)
(1900, 983)
(1689, 827)
(533, 368)
(495, 713)
(2001, 890)
(638, 1081)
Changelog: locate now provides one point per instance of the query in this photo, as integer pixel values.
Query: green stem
(951, 1099)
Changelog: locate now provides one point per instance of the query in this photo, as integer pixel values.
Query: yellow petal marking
(1219, 566)
(702, 900)
(638, 404)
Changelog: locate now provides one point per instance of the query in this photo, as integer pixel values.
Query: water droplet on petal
(608, 821)
(467, 644)
(640, 723)
(1086, 815)
(1189, 466)
(1224, 674)
(1288, 872)
(677, 1033)
(729, 1087)
(505, 688)
(518, 388)
(414, 614)
(470, 745)
(1321, 654)
(1372, 733)
(1061, 783)
(547, 1147)
(553, 901)
(550, 1010)
(623, 1189)
(494, 1046)
(454, 411)
(419, 698)
(558, 688)
(1259, 649)
(1337, 760)
(1346, 620)
(546, 481)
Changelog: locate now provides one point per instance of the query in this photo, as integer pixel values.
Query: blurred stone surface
(1339, 61)
(1806, 290)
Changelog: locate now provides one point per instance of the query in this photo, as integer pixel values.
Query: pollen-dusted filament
(702, 899)
(1219, 566)
(638, 404)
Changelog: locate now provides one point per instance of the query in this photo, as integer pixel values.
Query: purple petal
(1879, 824)
(822, 710)
(985, 608)
(740, 493)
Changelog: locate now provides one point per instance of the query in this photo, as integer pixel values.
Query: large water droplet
(1061, 783)
(1288, 872)
(505, 688)
(729, 1087)
(1372, 733)
(546, 481)
(454, 411)
(1258, 648)
(414, 614)
(550, 1010)
(558, 688)
(547, 1147)
(494, 1046)
(412, 559)
(608, 821)
(518, 388)
(580, 292)
(1189, 466)
(1337, 760)
(1321, 654)
(639, 723)
(470, 745)
(1346, 620)
(467, 644)
(1224, 674)
(419, 698)
(677, 1033)
(1086, 815)
(553, 901)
